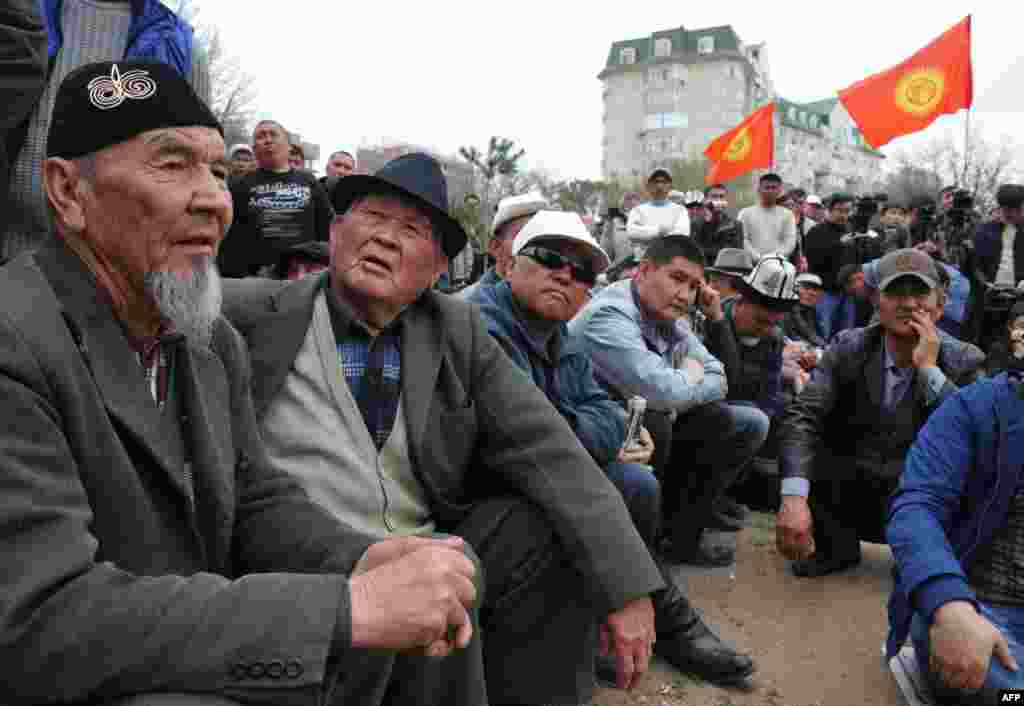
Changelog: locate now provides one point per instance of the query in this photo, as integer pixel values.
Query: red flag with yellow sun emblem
(748, 146)
(909, 97)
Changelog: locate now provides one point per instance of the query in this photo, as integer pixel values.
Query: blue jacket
(599, 421)
(988, 251)
(155, 34)
(953, 496)
(633, 355)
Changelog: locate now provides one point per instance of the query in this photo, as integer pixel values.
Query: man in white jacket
(659, 216)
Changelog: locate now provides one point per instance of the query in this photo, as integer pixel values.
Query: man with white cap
(512, 214)
(848, 433)
(556, 261)
(658, 217)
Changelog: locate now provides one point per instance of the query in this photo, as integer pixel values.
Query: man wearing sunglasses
(556, 261)
(401, 415)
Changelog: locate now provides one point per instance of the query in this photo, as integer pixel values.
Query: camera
(864, 209)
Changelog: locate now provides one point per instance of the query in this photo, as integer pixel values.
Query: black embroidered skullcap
(102, 104)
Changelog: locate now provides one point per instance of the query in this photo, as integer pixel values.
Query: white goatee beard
(190, 302)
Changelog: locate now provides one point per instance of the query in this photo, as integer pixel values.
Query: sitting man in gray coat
(401, 415)
(148, 544)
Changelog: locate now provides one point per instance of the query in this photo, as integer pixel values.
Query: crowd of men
(331, 478)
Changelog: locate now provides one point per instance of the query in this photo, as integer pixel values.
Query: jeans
(1009, 620)
(642, 494)
(835, 312)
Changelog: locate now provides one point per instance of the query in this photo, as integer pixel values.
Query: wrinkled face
(839, 213)
(668, 291)
(159, 202)
(769, 192)
(341, 165)
(500, 245)
(270, 143)
(893, 217)
(659, 188)
(383, 249)
(755, 320)
(903, 297)
(548, 291)
(809, 296)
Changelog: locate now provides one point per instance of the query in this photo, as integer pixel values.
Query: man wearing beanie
(152, 552)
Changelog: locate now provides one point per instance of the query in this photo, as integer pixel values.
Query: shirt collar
(344, 321)
(890, 362)
(143, 345)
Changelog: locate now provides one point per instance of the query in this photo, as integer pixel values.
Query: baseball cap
(809, 279)
(513, 207)
(907, 263)
(561, 225)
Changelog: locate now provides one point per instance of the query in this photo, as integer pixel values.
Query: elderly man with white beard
(152, 553)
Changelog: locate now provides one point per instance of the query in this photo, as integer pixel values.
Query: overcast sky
(453, 73)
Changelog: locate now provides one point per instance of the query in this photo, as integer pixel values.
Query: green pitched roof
(800, 116)
(684, 41)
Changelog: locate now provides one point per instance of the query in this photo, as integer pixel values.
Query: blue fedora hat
(417, 177)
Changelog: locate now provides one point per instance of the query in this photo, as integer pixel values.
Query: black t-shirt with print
(274, 211)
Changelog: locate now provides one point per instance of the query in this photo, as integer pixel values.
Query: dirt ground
(817, 642)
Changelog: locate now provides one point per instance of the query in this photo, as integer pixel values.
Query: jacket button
(257, 670)
(293, 670)
(239, 672)
(275, 670)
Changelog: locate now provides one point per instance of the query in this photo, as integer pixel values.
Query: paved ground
(817, 642)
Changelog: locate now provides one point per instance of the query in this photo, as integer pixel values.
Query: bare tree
(233, 94)
(977, 165)
(495, 167)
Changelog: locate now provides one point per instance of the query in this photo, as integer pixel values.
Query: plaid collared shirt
(372, 366)
(154, 361)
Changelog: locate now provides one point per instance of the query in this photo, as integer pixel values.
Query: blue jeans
(835, 312)
(642, 493)
(1009, 620)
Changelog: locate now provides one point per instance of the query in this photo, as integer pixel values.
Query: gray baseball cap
(907, 262)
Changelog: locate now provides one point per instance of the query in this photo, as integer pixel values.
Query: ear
(493, 247)
(64, 190)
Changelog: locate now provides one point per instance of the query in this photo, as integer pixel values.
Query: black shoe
(701, 555)
(822, 566)
(697, 650)
(724, 523)
(730, 508)
(605, 672)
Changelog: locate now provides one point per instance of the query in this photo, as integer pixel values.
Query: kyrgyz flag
(748, 146)
(909, 97)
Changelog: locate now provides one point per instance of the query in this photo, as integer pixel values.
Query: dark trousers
(539, 628)
(849, 502)
(696, 459)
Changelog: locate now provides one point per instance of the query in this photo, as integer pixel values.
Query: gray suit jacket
(478, 426)
(124, 562)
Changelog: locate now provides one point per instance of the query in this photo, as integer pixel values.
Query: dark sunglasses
(554, 260)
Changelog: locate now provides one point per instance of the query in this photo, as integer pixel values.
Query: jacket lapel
(276, 337)
(109, 358)
(422, 340)
(874, 373)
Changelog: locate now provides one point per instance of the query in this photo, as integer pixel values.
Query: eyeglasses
(554, 260)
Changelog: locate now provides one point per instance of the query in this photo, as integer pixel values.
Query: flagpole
(967, 147)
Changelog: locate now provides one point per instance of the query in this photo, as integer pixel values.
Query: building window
(705, 45)
(814, 122)
(627, 55)
(656, 121)
(792, 115)
(663, 47)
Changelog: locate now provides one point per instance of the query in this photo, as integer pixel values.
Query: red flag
(909, 97)
(748, 146)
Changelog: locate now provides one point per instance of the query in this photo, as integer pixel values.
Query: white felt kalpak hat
(561, 225)
(771, 282)
(517, 206)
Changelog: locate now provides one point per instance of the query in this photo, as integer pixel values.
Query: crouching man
(844, 440)
(956, 528)
(556, 262)
(401, 415)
